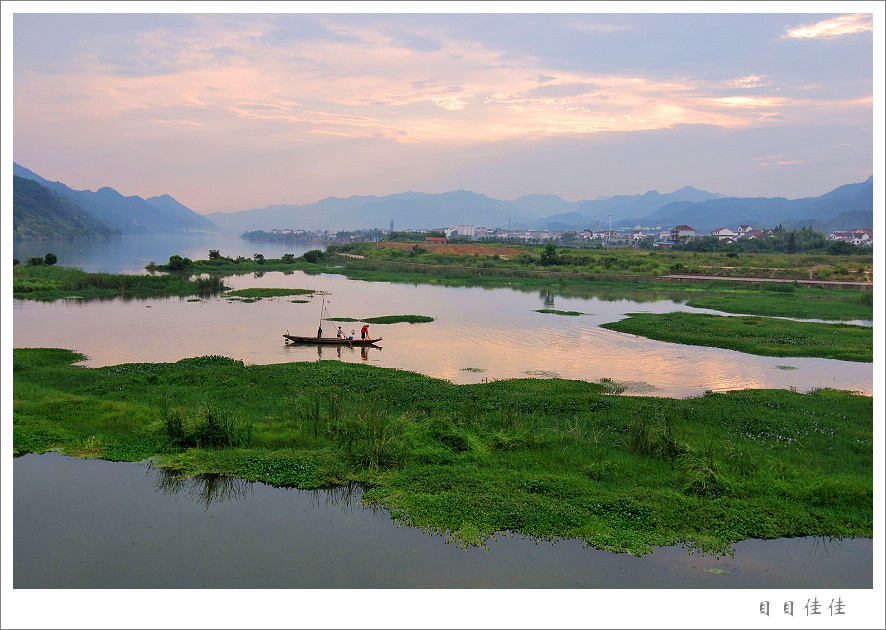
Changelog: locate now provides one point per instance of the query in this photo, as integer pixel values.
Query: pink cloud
(834, 27)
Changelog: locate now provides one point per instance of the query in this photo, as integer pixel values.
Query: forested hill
(128, 215)
(39, 213)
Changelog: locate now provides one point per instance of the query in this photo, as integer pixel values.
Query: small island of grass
(261, 293)
(386, 319)
(553, 311)
(766, 336)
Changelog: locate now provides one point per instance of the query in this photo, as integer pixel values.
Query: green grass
(259, 293)
(754, 335)
(542, 457)
(50, 283)
(796, 302)
(386, 319)
(589, 263)
(553, 311)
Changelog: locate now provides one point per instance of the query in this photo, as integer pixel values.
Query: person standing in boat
(319, 332)
(364, 332)
(340, 333)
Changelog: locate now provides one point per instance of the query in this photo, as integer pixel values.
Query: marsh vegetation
(546, 458)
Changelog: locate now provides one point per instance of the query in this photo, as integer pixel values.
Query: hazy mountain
(848, 221)
(39, 213)
(625, 210)
(545, 205)
(854, 202)
(845, 207)
(408, 211)
(313, 216)
(128, 215)
(419, 210)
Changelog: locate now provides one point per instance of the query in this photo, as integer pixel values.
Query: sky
(259, 106)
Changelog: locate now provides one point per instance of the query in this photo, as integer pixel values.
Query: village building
(724, 234)
(860, 237)
(682, 233)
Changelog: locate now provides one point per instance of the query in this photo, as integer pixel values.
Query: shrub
(313, 256)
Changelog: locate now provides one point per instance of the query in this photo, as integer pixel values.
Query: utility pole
(609, 235)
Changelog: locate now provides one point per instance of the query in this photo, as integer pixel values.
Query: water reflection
(347, 498)
(547, 298)
(98, 524)
(475, 336)
(203, 489)
(207, 489)
(334, 351)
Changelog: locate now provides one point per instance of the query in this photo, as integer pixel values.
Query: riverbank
(545, 458)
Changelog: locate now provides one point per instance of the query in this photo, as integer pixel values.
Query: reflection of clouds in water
(478, 334)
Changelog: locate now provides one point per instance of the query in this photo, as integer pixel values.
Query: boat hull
(332, 341)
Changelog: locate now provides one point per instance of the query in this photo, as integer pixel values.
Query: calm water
(130, 254)
(96, 524)
(477, 334)
(92, 524)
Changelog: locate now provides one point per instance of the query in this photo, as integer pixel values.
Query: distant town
(636, 237)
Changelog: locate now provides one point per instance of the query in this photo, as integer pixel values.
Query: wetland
(502, 408)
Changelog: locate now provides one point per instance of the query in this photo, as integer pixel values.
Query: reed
(47, 282)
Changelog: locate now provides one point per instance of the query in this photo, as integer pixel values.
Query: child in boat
(341, 333)
(364, 332)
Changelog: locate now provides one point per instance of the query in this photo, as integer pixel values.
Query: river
(86, 525)
(477, 334)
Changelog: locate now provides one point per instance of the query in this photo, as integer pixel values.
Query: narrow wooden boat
(332, 341)
(336, 341)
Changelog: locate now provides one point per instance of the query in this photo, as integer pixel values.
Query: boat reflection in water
(338, 351)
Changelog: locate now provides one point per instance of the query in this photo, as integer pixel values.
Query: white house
(724, 234)
(856, 237)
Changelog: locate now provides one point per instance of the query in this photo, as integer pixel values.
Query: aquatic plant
(548, 458)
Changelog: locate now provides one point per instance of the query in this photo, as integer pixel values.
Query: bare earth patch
(446, 248)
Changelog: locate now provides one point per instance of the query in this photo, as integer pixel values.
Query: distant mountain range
(42, 214)
(106, 208)
(847, 207)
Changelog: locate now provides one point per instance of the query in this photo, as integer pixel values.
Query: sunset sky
(231, 111)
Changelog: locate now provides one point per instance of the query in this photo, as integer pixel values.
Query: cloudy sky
(231, 111)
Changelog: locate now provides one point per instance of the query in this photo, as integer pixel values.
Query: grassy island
(51, 282)
(546, 458)
(765, 336)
